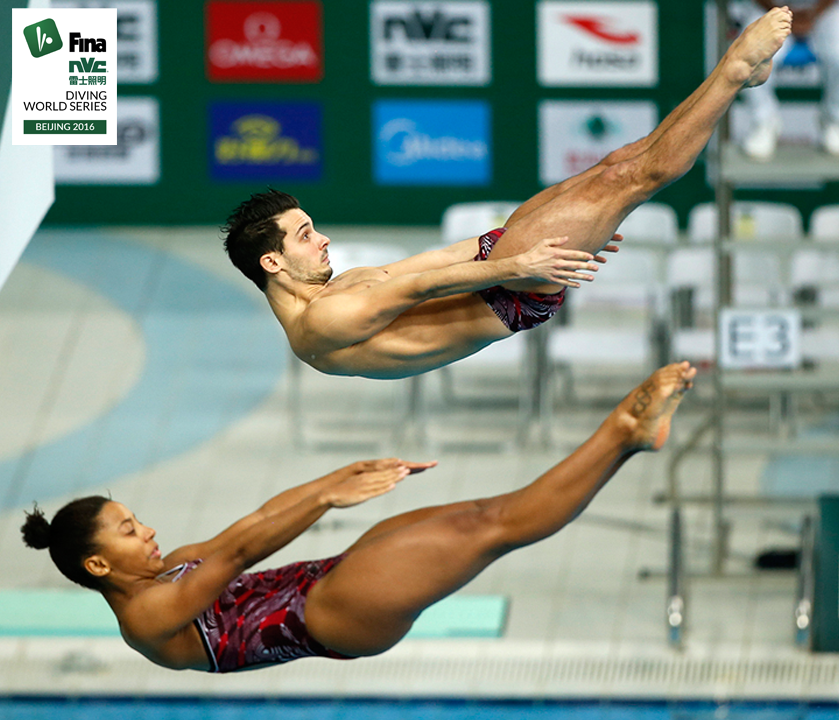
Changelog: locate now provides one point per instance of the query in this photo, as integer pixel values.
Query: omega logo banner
(583, 44)
(264, 41)
(430, 43)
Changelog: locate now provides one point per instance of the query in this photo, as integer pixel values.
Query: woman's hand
(609, 248)
(370, 478)
(549, 262)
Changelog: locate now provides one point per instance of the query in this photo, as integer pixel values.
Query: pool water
(36, 708)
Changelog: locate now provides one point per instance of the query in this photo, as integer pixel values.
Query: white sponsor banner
(787, 74)
(64, 76)
(430, 43)
(137, 61)
(134, 160)
(753, 339)
(575, 135)
(593, 43)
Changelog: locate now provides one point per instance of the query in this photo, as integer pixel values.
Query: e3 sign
(760, 339)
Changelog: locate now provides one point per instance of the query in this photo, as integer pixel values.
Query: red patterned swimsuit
(517, 310)
(259, 618)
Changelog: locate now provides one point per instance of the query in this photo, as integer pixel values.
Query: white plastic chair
(824, 224)
(462, 221)
(346, 256)
(749, 221)
(342, 257)
(758, 279)
(465, 220)
(815, 282)
(690, 284)
(651, 222)
(632, 280)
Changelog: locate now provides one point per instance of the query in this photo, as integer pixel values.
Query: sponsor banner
(264, 41)
(794, 65)
(134, 160)
(575, 135)
(593, 43)
(430, 43)
(137, 61)
(426, 142)
(64, 76)
(266, 140)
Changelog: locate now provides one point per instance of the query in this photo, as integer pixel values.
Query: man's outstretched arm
(462, 251)
(439, 257)
(343, 319)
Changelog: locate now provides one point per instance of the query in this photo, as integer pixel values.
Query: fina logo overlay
(269, 42)
(421, 43)
(43, 38)
(48, 71)
(266, 141)
(445, 142)
(598, 43)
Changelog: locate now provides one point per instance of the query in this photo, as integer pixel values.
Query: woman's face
(127, 547)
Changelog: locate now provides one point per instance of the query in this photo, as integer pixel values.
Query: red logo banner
(264, 41)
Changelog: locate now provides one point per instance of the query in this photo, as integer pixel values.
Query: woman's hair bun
(36, 530)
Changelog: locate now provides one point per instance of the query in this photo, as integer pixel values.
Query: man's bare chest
(355, 280)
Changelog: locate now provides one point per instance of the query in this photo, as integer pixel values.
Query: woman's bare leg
(590, 209)
(369, 601)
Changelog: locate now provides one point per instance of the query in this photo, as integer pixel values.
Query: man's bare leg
(589, 209)
(622, 154)
(369, 601)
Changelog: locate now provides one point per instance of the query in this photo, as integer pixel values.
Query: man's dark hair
(252, 231)
(69, 537)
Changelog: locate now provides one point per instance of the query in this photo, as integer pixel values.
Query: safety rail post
(676, 602)
(722, 298)
(805, 595)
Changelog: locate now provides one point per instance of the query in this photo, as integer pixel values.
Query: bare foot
(647, 411)
(750, 55)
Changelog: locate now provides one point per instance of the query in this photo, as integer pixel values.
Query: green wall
(347, 194)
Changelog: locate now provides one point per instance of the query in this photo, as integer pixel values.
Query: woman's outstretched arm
(280, 503)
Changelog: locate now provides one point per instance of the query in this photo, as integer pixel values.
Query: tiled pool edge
(437, 668)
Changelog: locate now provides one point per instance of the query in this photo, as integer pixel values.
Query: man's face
(304, 249)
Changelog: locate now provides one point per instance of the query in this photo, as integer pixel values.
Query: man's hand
(549, 262)
(370, 479)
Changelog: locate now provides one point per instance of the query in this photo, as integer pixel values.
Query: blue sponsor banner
(420, 142)
(266, 141)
